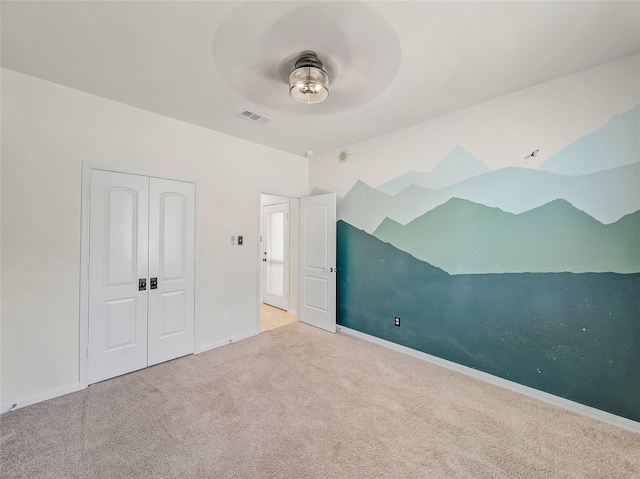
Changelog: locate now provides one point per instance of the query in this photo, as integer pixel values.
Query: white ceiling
(392, 63)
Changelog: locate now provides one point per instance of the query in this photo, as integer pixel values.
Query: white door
(118, 260)
(171, 269)
(275, 257)
(318, 261)
(141, 272)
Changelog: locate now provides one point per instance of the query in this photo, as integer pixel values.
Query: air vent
(255, 117)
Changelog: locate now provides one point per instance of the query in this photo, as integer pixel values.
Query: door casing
(293, 304)
(87, 167)
(293, 251)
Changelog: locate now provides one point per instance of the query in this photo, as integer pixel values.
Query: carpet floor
(297, 402)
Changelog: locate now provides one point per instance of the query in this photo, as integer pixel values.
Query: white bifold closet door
(141, 272)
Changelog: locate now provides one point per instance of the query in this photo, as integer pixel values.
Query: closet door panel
(118, 261)
(171, 269)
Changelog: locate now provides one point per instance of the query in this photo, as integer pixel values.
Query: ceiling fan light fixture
(308, 82)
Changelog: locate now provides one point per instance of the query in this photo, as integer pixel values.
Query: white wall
(47, 131)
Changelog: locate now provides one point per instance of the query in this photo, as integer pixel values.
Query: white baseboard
(293, 312)
(222, 342)
(21, 402)
(573, 406)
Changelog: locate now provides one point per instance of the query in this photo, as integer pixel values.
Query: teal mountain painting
(572, 335)
(529, 275)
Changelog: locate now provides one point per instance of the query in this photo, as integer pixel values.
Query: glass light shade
(308, 84)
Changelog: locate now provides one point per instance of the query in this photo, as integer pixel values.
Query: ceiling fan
(344, 44)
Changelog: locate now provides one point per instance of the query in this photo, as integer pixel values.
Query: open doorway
(279, 225)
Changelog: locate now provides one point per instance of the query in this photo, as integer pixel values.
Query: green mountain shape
(605, 195)
(616, 143)
(458, 165)
(463, 237)
(364, 207)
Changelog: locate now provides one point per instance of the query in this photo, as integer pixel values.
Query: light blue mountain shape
(616, 143)
(605, 195)
(464, 237)
(458, 165)
(365, 207)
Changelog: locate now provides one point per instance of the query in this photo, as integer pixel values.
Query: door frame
(289, 196)
(87, 167)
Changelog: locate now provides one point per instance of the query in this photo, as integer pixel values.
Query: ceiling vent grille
(255, 117)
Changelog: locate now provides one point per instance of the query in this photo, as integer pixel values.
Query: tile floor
(271, 317)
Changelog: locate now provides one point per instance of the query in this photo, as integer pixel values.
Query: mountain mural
(605, 195)
(616, 143)
(532, 275)
(572, 335)
(463, 237)
(458, 165)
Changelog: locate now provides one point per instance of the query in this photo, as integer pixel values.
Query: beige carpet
(296, 402)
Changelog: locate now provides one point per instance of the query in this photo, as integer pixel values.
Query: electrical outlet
(397, 321)
(227, 316)
(233, 240)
